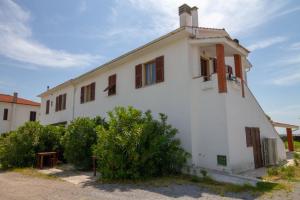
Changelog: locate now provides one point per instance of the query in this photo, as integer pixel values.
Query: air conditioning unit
(270, 151)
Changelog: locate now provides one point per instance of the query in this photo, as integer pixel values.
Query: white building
(15, 111)
(197, 76)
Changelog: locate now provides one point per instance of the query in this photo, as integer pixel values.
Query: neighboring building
(197, 76)
(15, 111)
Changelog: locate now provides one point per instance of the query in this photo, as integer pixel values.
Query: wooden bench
(40, 159)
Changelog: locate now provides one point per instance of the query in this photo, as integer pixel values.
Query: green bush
(134, 146)
(19, 148)
(80, 136)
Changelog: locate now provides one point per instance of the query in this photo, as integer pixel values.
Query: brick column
(221, 70)
(290, 139)
(239, 71)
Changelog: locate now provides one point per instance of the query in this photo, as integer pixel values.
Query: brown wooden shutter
(82, 95)
(248, 137)
(47, 106)
(64, 101)
(60, 100)
(56, 104)
(159, 69)
(93, 87)
(138, 76)
(112, 81)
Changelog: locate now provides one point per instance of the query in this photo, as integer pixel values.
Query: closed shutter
(64, 101)
(160, 69)
(32, 116)
(82, 95)
(47, 106)
(93, 87)
(60, 100)
(138, 76)
(248, 137)
(56, 104)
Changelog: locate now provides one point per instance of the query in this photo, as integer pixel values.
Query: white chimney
(185, 15)
(15, 98)
(194, 11)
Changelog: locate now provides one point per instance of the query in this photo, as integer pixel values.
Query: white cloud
(17, 43)
(235, 15)
(82, 6)
(287, 80)
(266, 43)
(295, 46)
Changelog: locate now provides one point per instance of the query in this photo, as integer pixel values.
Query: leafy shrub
(80, 136)
(134, 145)
(19, 148)
(273, 171)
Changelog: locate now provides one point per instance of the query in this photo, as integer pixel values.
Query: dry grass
(34, 173)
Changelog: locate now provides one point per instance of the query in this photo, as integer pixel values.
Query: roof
(188, 30)
(9, 99)
(284, 125)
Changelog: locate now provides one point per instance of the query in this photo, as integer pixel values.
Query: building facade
(15, 111)
(197, 76)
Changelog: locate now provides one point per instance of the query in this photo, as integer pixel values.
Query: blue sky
(48, 42)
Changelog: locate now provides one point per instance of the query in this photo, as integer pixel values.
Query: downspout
(74, 95)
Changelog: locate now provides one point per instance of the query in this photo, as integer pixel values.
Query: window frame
(89, 93)
(47, 107)
(60, 102)
(5, 114)
(153, 81)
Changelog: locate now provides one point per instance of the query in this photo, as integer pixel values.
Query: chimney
(185, 15)
(194, 11)
(15, 97)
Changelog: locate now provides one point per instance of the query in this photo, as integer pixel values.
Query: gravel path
(15, 186)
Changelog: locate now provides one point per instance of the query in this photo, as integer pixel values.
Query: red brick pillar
(290, 139)
(221, 70)
(239, 71)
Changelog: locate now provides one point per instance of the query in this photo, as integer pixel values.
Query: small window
(61, 102)
(32, 116)
(150, 73)
(87, 93)
(5, 114)
(47, 107)
(222, 160)
(112, 85)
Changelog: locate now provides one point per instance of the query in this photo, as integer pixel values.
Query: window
(47, 106)
(205, 69)
(229, 71)
(87, 93)
(112, 84)
(60, 103)
(222, 160)
(5, 114)
(150, 72)
(214, 60)
(32, 116)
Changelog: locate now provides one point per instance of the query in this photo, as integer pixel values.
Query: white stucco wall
(241, 113)
(209, 123)
(18, 114)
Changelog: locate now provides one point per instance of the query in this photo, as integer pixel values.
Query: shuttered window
(87, 93)
(138, 76)
(32, 116)
(5, 114)
(205, 69)
(112, 85)
(150, 72)
(248, 137)
(60, 103)
(47, 106)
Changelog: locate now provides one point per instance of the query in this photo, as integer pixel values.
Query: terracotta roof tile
(9, 99)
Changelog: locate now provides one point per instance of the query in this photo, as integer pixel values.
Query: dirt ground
(15, 186)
